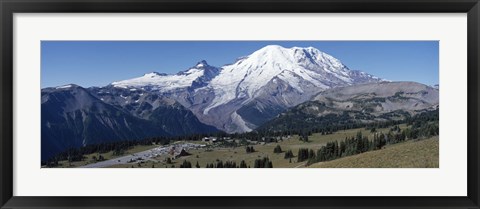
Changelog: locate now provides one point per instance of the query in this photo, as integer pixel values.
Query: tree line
(259, 163)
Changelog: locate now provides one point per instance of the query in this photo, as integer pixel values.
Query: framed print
(196, 104)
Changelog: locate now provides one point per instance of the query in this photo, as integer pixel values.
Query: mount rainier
(241, 96)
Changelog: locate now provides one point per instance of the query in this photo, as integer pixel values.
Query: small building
(210, 139)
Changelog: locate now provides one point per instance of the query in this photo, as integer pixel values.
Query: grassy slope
(410, 154)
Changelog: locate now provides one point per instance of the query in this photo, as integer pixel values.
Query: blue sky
(98, 63)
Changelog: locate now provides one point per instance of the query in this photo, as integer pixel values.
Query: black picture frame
(9, 7)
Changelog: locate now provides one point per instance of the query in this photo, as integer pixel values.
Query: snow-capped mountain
(296, 66)
(239, 97)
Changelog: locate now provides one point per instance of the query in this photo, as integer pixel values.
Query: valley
(410, 153)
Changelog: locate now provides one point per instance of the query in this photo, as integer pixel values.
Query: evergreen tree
(263, 163)
(219, 164)
(288, 154)
(185, 164)
(303, 154)
(250, 149)
(243, 164)
(304, 137)
(277, 149)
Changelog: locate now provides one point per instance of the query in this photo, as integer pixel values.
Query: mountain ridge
(73, 116)
(360, 103)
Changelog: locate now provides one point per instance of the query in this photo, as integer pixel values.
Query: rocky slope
(361, 103)
(73, 116)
